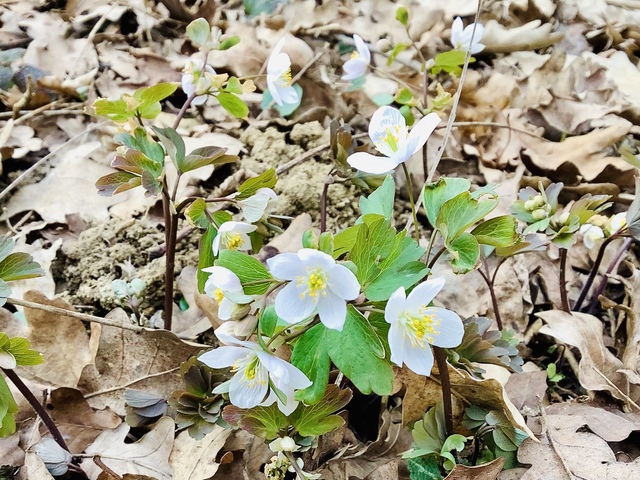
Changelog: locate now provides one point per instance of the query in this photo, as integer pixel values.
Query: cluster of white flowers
(197, 79)
(599, 227)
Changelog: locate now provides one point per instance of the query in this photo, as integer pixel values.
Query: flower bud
(384, 45)
(539, 214)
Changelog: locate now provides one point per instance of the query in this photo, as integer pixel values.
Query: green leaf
(151, 184)
(248, 269)
(404, 96)
(315, 420)
(251, 186)
(325, 242)
(465, 251)
(263, 422)
(268, 320)
(497, 232)
(402, 15)
(382, 99)
(141, 141)
(462, 211)
(25, 357)
(205, 255)
(424, 468)
(151, 97)
(285, 109)
(6, 246)
(8, 408)
(173, 144)
(345, 240)
(233, 104)
(136, 162)
(407, 113)
(356, 351)
(229, 42)
(233, 86)
(5, 292)
(436, 194)
(199, 32)
(205, 156)
(399, 48)
(450, 62)
(19, 266)
(116, 110)
(196, 214)
(380, 201)
(117, 182)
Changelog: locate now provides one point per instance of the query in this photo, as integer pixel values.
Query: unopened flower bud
(530, 205)
(240, 311)
(384, 45)
(539, 214)
(563, 218)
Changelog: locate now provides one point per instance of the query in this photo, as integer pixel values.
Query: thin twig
(90, 318)
(37, 406)
(128, 384)
(98, 461)
(33, 167)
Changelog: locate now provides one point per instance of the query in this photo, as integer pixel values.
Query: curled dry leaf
(196, 459)
(599, 369)
(488, 471)
(531, 36)
(148, 456)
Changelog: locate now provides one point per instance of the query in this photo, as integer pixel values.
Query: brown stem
(37, 406)
(413, 204)
(592, 274)
(563, 280)
(170, 241)
(605, 280)
(295, 465)
(436, 257)
(323, 201)
(494, 300)
(445, 382)
(184, 109)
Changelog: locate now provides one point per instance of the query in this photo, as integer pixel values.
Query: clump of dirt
(84, 269)
(299, 188)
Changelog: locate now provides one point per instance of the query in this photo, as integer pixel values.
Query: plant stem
(37, 406)
(295, 465)
(563, 280)
(592, 274)
(290, 337)
(413, 204)
(594, 300)
(323, 201)
(436, 257)
(445, 382)
(494, 300)
(170, 224)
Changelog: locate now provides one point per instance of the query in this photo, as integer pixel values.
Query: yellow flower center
(316, 283)
(421, 327)
(355, 54)
(389, 138)
(286, 78)
(234, 241)
(252, 370)
(218, 296)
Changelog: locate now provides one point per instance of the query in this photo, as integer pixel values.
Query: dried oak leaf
(148, 456)
(193, 459)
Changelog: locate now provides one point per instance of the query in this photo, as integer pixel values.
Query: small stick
(128, 384)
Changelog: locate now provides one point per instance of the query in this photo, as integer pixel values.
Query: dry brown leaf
(33, 468)
(78, 422)
(148, 456)
(580, 156)
(193, 321)
(527, 389)
(488, 471)
(599, 369)
(610, 426)
(531, 36)
(124, 356)
(196, 459)
(62, 340)
(584, 454)
(10, 451)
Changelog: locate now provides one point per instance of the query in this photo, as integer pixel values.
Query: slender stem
(37, 406)
(290, 337)
(592, 274)
(594, 300)
(295, 465)
(323, 201)
(413, 204)
(494, 300)
(170, 241)
(183, 110)
(563, 280)
(432, 239)
(445, 382)
(436, 257)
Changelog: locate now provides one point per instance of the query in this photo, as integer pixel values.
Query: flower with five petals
(389, 133)
(279, 76)
(233, 236)
(464, 38)
(357, 65)
(225, 288)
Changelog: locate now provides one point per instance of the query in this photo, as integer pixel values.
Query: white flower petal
(332, 311)
(292, 306)
(223, 357)
(387, 120)
(285, 266)
(225, 309)
(421, 132)
(225, 279)
(7, 360)
(289, 94)
(424, 293)
(312, 258)
(365, 162)
(274, 90)
(354, 68)
(418, 359)
(451, 329)
(395, 306)
(456, 32)
(215, 246)
(281, 370)
(343, 282)
(361, 48)
(199, 100)
(240, 227)
(396, 343)
(245, 394)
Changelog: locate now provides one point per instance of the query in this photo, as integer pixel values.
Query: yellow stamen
(218, 296)
(316, 283)
(389, 138)
(286, 77)
(421, 328)
(234, 241)
(355, 54)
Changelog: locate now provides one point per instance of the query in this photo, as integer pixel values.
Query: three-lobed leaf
(318, 419)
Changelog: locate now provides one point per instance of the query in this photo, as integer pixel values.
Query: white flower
(414, 325)
(616, 223)
(388, 131)
(283, 444)
(195, 81)
(279, 76)
(591, 235)
(225, 288)
(253, 369)
(233, 236)
(360, 58)
(318, 282)
(256, 206)
(462, 39)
